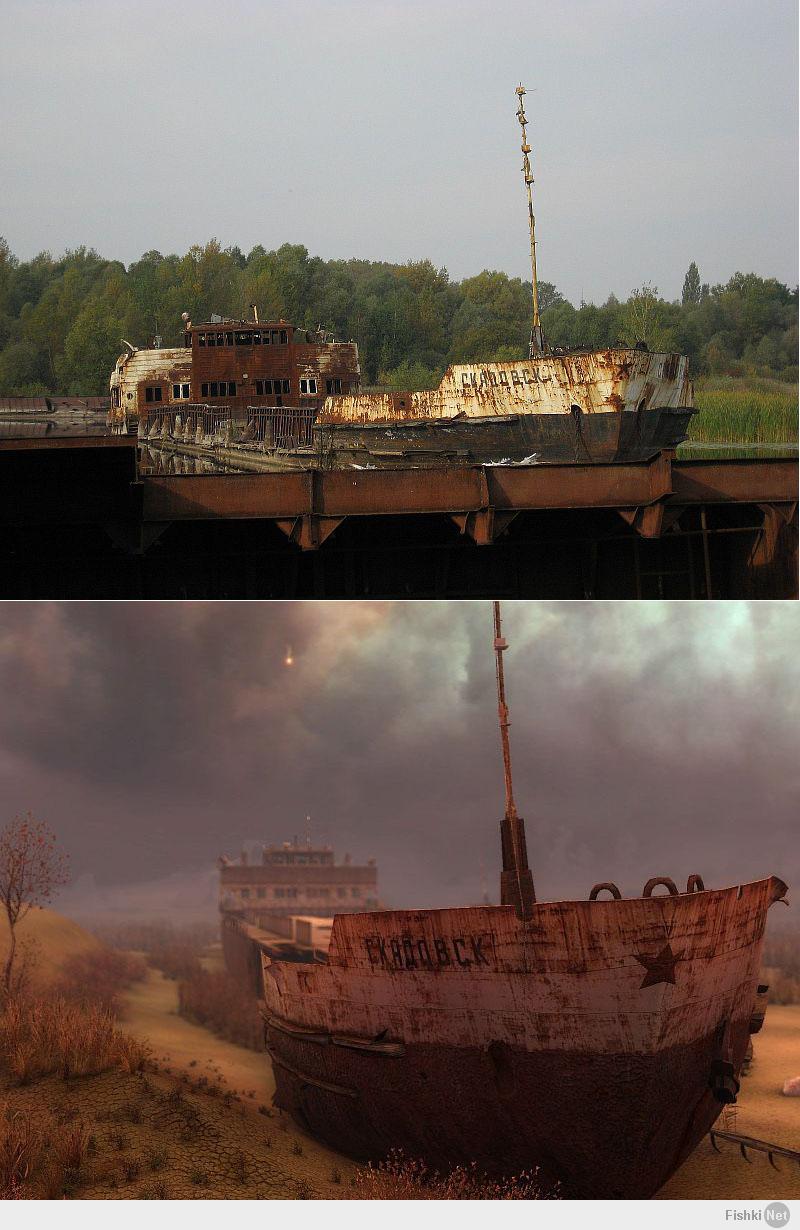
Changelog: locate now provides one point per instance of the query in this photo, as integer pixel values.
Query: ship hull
(529, 438)
(584, 1042)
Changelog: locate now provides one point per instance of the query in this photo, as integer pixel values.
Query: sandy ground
(184, 1049)
(762, 1111)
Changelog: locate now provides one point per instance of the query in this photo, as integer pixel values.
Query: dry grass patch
(41, 1037)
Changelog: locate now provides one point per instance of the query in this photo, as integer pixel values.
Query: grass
(39, 1149)
(46, 1036)
(743, 416)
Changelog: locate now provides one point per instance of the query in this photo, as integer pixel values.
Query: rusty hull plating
(606, 405)
(596, 1039)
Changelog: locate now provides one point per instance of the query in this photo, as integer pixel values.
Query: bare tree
(31, 869)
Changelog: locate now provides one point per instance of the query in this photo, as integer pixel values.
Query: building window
(278, 892)
(228, 339)
(308, 385)
(231, 388)
(341, 892)
(355, 892)
(245, 892)
(257, 338)
(244, 339)
(284, 337)
(291, 892)
(201, 339)
(204, 389)
(333, 386)
(260, 894)
(214, 388)
(185, 391)
(212, 339)
(180, 391)
(152, 393)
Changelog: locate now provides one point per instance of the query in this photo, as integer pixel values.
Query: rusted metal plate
(735, 481)
(594, 382)
(463, 489)
(51, 443)
(584, 1040)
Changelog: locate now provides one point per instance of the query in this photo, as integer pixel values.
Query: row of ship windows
(261, 893)
(227, 388)
(258, 337)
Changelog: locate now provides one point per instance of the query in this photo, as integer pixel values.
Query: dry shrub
(402, 1178)
(95, 979)
(41, 1037)
(217, 1001)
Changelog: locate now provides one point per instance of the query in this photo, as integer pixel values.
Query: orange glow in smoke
(289, 659)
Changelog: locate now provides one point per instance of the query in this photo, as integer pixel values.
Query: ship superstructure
(295, 878)
(235, 372)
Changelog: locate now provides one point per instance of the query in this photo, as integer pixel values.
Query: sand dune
(49, 940)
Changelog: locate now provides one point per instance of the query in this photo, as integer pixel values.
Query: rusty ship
(622, 403)
(262, 397)
(596, 1039)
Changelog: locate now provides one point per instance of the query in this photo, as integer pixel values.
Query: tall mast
(537, 339)
(516, 881)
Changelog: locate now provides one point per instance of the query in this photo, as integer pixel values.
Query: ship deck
(79, 520)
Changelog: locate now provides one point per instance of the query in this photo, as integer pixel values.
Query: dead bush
(219, 1002)
(402, 1178)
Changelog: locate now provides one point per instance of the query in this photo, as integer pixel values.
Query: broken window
(334, 385)
(244, 339)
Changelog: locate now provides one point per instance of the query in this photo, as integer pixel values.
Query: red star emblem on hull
(660, 968)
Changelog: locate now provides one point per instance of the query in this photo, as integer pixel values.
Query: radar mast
(516, 881)
(537, 338)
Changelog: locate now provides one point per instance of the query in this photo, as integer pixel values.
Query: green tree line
(62, 319)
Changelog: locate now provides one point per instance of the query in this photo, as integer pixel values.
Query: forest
(62, 318)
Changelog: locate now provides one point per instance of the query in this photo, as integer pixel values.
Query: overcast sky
(663, 131)
(647, 739)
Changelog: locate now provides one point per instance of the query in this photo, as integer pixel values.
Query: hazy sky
(647, 739)
(663, 131)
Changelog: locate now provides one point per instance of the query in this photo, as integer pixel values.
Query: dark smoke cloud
(646, 739)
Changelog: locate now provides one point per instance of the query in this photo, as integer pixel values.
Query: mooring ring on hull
(695, 885)
(609, 887)
(654, 882)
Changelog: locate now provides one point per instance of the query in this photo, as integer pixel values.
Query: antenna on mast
(537, 338)
(516, 881)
